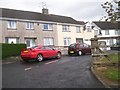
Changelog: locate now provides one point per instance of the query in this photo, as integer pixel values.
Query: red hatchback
(79, 49)
(39, 53)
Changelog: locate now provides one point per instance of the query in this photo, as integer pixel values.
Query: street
(67, 72)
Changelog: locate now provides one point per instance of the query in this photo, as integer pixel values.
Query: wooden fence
(97, 53)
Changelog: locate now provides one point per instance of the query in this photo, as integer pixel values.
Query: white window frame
(88, 28)
(65, 28)
(78, 29)
(12, 40)
(11, 24)
(29, 25)
(67, 41)
(48, 27)
(30, 42)
(48, 41)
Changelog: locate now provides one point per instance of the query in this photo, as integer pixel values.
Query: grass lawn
(114, 58)
(112, 72)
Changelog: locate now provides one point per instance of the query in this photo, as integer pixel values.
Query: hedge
(11, 49)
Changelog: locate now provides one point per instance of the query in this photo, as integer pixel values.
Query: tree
(112, 9)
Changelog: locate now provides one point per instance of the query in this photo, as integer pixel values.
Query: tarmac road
(67, 72)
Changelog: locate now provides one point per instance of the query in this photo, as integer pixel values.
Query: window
(48, 41)
(11, 40)
(106, 32)
(48, 48)
(117, 32)
(48, 27)
(12, 24)
(78, 29)
(65, 28)
(79, 40)
(86, 45)
(30, 42)
(67, 41)
(88, 28)
(111, 42)
(29, 25)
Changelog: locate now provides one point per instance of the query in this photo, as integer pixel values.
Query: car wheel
(58, 55)
(39, 57)
(79, 53)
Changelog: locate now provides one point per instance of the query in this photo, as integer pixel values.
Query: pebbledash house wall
(38, 33)
(22, 33)
(72, 33)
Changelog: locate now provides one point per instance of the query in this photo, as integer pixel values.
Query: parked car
(39, 53)
(79, 49)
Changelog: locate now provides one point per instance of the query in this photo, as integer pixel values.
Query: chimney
(45, 11)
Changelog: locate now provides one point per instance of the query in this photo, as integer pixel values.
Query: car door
(50, 52)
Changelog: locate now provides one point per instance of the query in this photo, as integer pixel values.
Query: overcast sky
(81, 10)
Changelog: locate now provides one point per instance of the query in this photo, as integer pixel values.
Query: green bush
(11, 49)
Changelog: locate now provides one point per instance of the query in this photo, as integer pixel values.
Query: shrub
(11, 49)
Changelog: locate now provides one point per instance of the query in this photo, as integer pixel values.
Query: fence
(97, 53)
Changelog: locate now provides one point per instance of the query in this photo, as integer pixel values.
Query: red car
(39, 53)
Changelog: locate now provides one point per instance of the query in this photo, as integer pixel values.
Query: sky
(80, 10)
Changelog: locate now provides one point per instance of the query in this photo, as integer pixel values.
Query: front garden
(108, 70)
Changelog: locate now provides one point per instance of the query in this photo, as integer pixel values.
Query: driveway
(67, 72)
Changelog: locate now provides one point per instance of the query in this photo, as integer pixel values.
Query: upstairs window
(117, 32)
(78, 29)
(47, 27)
(65, 28)
(88, 28)
(11, 24)
(30, 25)
(106, 32)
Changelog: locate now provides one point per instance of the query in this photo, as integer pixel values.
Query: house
(107, 29)
(35, 28)
(101, 29)
(88, 33)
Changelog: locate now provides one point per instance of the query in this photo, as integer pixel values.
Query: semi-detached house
(35, 28)
(103, 29)
(107, 29)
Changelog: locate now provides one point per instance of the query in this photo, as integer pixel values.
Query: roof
(19, 14)
(107, 25)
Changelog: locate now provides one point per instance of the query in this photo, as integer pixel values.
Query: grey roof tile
(19, 14)
(107, 25)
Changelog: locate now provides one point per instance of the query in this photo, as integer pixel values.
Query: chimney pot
(45, 11)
